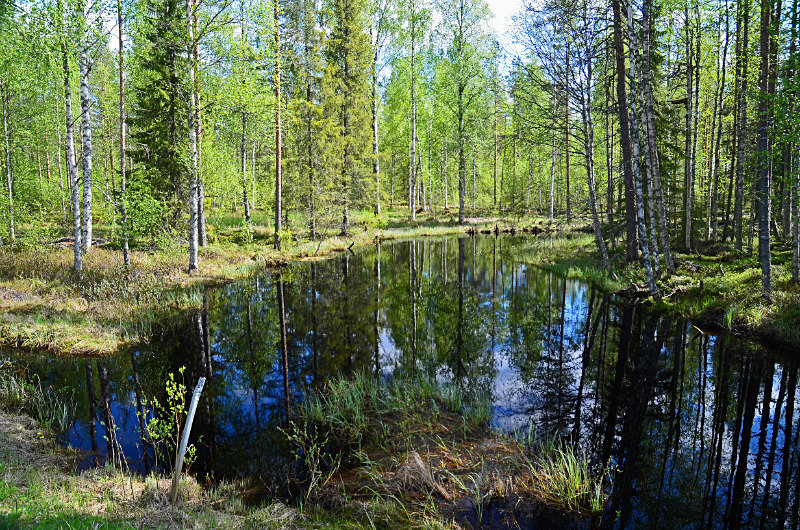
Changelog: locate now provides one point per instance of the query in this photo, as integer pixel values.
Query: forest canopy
(668, 125)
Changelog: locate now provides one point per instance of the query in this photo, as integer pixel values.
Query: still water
(702, 426)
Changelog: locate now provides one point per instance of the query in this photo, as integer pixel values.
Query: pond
(701, 426)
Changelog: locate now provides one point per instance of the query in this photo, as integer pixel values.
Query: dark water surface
(702, 426)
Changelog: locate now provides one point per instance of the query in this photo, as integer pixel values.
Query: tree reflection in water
(701, 427)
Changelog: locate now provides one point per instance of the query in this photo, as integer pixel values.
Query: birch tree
(191, 6)
(462, 26)
(86, 154)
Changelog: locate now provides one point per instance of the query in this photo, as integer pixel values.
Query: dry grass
(424, 455)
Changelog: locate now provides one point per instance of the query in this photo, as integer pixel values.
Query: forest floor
(46, 305)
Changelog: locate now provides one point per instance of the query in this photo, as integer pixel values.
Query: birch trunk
(637, 177)
(376, 167)
(278, 138)
(123, 184)
(202, 233)
(566, 137)
(652, 144)
(245, 197)
(193, 213)
(637, 90)
(553, 164)
(412, 165)
(461, 87)
(72, 167)
(9, 162)
(86, 233)
(588, 125)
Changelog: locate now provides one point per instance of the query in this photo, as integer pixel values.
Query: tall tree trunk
(652, 143)
(588, 125)
(376, 167)
(631, 245)
(61, 178)
(475, 179)
(764, 182)
(637, 173)
(202, 233)
(741, 121)
(494, 171)
(462, 85)
(193, 214)
(245, 190)
(9, 162)
(553, 164)
(73, 166)
(86, 233)
(566, 135)
(412, 165)
(637, 91)
(278, 138)
(688, 181)
(123, 208)
(717, 154)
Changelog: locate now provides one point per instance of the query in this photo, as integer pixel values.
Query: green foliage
(145, 211)
(158, 115)
(312, 451)
(165, 425)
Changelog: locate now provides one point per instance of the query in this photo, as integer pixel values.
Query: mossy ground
(721, 288)
(717, 287)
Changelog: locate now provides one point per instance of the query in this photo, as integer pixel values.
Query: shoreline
(45, 306)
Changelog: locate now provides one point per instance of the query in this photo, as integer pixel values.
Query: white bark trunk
(86, 233)
(122, 156)
(193, 232)
(637, 178)
(72, 167)
(9, 166)
(588, 125)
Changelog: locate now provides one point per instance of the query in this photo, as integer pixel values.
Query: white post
(185, 438)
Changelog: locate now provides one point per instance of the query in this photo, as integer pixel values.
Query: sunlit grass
(564, 477)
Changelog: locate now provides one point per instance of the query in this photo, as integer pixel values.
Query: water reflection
(701, 427)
